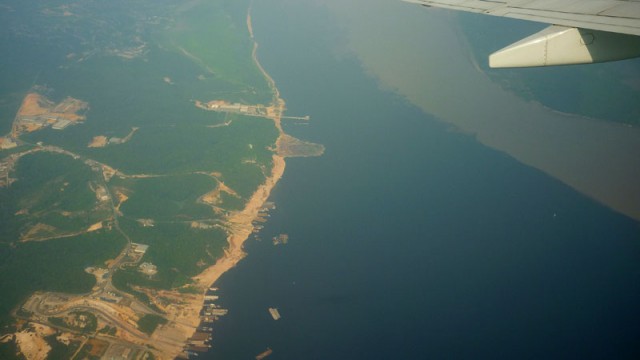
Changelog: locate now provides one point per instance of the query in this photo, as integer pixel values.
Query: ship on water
(274, 313)
(264, 354)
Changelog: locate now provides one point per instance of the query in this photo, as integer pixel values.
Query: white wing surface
(582, 31)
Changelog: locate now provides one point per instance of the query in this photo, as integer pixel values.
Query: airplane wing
(582, 31)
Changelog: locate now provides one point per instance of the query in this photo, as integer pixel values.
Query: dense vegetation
(178, 251)
(198, 50)
(56, 265)
(49, 186)
(81, 321)
(169, 198)
(60, 350)
(215, 36)
(180, 149)
(9, 350)
(148, 323)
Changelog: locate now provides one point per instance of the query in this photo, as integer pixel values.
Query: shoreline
(185, 319)
(241, 222)
(241, 228)
(240, 225)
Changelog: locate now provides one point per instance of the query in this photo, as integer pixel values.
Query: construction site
(38, 112)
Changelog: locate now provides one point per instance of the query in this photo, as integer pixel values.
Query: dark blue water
(408, 241)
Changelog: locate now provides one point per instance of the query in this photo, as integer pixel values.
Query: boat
(275, 314)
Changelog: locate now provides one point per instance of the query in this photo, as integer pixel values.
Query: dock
(197, 349)
(217, 312)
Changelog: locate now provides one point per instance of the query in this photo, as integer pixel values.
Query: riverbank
(411, 236)
(241, 223)
(185, 318)
(240, 226)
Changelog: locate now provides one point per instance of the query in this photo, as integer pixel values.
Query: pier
(247, 110)
(305, 118)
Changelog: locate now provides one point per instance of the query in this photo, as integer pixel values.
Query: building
(139, 248)
(148, 268)
(61, 124)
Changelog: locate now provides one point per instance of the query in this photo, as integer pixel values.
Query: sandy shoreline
(241, 223)
(240, 226)
(184, 318)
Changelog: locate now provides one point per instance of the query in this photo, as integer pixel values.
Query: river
(425, 58)
(408, 240)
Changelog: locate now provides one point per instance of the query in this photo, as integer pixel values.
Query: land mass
(139, 306)
(37, 112)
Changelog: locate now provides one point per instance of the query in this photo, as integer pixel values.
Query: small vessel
(274, 313)
(264, 354)
(280, 239)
